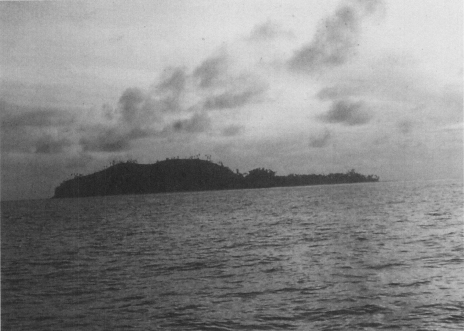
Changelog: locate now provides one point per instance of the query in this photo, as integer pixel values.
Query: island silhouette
(190, 174)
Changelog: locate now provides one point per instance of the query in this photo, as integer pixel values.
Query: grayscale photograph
(232, 165)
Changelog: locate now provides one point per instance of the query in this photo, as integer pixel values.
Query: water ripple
(381, 256)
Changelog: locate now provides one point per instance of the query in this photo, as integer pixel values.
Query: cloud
(335, 92)
(156, 112)
(137, 106)
(78, 161)
(34, 130)
(170, 90)
(404, 96)
(405, 126)
(174, 81)
(336, 39)
(225, 91)
(268, 31)
(100, 138)
(370, 6)
(138, 114)
(235, 97)
(229, 100)
(232, 130)
(320, 140)
(141, 114)
(14, 117)
(386, 78)
(131, 104)
(333, 45)
(347, 112)
(35, 141)
(48, 144)
(199, 122)
(135, 117)
(210, 71)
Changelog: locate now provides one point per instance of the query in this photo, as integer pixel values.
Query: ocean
(371, 256)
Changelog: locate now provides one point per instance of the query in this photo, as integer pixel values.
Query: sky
(294, 86)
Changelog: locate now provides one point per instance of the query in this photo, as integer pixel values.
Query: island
(190, 174)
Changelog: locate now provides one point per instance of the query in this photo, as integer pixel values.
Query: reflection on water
(341, 257)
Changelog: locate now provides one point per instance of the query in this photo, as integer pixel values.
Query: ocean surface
(373, 256)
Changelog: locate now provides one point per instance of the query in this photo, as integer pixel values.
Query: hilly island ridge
(192, 174)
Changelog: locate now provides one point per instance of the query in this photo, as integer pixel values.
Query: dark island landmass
(193, 174)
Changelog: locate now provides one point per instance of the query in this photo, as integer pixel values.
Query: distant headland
(192, 174)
